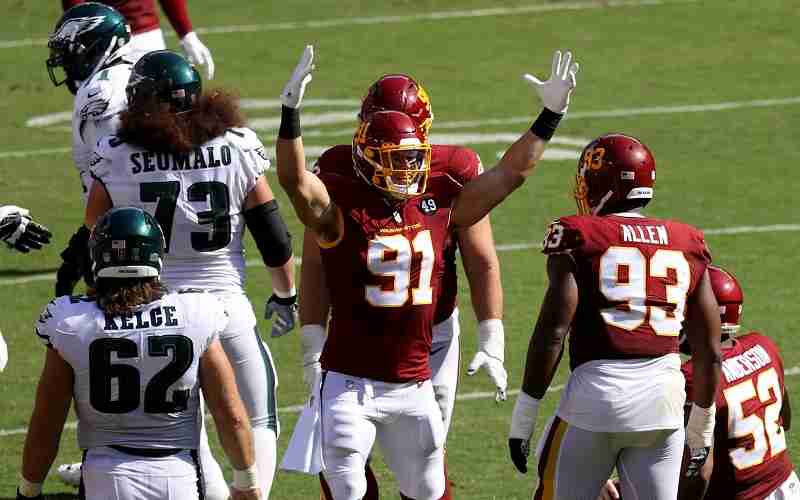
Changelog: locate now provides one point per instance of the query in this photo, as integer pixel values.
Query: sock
(264, 441)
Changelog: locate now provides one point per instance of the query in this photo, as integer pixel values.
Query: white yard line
(655, 110)
(375, 20)
(504, 247)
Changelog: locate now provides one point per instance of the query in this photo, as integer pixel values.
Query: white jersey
(625, 395)
(98, 103)
(136, 376)
(197, 198)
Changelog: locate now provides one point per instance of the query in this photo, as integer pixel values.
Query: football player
(402, 93)
(89, 53)
(186, 157)
(624, 285)
(147, 34)
(134, 358)
(21, 233)
(382, 233)
(750, 457)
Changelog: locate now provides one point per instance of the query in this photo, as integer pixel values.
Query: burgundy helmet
(399, 93)
(729, 297)
(392, 154)
(616, 172)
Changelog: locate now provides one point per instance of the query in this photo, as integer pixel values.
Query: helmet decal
(70, 30)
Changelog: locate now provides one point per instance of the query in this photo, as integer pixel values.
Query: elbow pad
(270, 232)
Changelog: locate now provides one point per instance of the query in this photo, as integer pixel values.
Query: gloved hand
(555, 91)
(293, 92)
(523, 422)
(491, 344)
(197, 53)
(312, 340)
(285, 311)
(20, 232)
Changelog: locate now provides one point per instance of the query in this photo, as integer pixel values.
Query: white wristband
(700, 428)
(523, 419)
(312, 340)
(285, 295)
(29, 489)
(246, 479)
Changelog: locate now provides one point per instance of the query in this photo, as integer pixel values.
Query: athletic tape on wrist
(546, 124)
(285, 295)
(246, 479)
(523, 418)
(290, 123)
(700, 427)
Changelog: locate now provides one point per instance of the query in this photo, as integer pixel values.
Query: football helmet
(126, 242)
(616, 172)
(84, 39)
(392, 154)
(729, 297)
(168, 77)
(399, 93)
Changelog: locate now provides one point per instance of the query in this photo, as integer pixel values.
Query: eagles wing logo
(74, 27)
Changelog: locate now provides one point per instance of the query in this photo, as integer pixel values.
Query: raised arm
(483, 193)
(307, 193)
(544, 353)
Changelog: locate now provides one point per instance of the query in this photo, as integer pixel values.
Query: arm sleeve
(178, 14)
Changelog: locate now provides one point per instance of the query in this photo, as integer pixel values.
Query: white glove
(700, 427)
(491, 345)
(556, 90)
(197, 53)
(293, 91)
(312, 340)
(3, 353)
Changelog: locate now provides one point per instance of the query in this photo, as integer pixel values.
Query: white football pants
(109, 474)
(404, 418)
(574, 463)
(257, 381)
(788, 490)
(444, 365)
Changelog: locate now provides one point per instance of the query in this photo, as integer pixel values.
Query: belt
(147, 452)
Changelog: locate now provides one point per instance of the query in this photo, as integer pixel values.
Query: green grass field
(652, 69)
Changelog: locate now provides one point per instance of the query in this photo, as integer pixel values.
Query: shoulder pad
(462, 163)
(50, 319)
(562, 236)
(244, 138)
(103, 96)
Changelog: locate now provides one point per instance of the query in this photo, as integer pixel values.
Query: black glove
(697, 458)
(77, 263)
(285, 311)
(519, 450)
(20, 496)
(21, 233)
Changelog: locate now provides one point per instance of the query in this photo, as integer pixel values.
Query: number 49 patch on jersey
(428, 206)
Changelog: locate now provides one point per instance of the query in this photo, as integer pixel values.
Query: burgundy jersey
(750, 455)
(634, 275)
(383, 276)
(142, 16)
(457, 162)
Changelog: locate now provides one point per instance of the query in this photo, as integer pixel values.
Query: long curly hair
(152, 125)
(118, 296)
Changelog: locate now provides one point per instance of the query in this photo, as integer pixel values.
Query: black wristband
(546, 123)
(287, 301)
(290, 123)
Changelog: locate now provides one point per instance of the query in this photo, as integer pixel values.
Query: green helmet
(83, 40)
(168, 77)
(126, 242)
